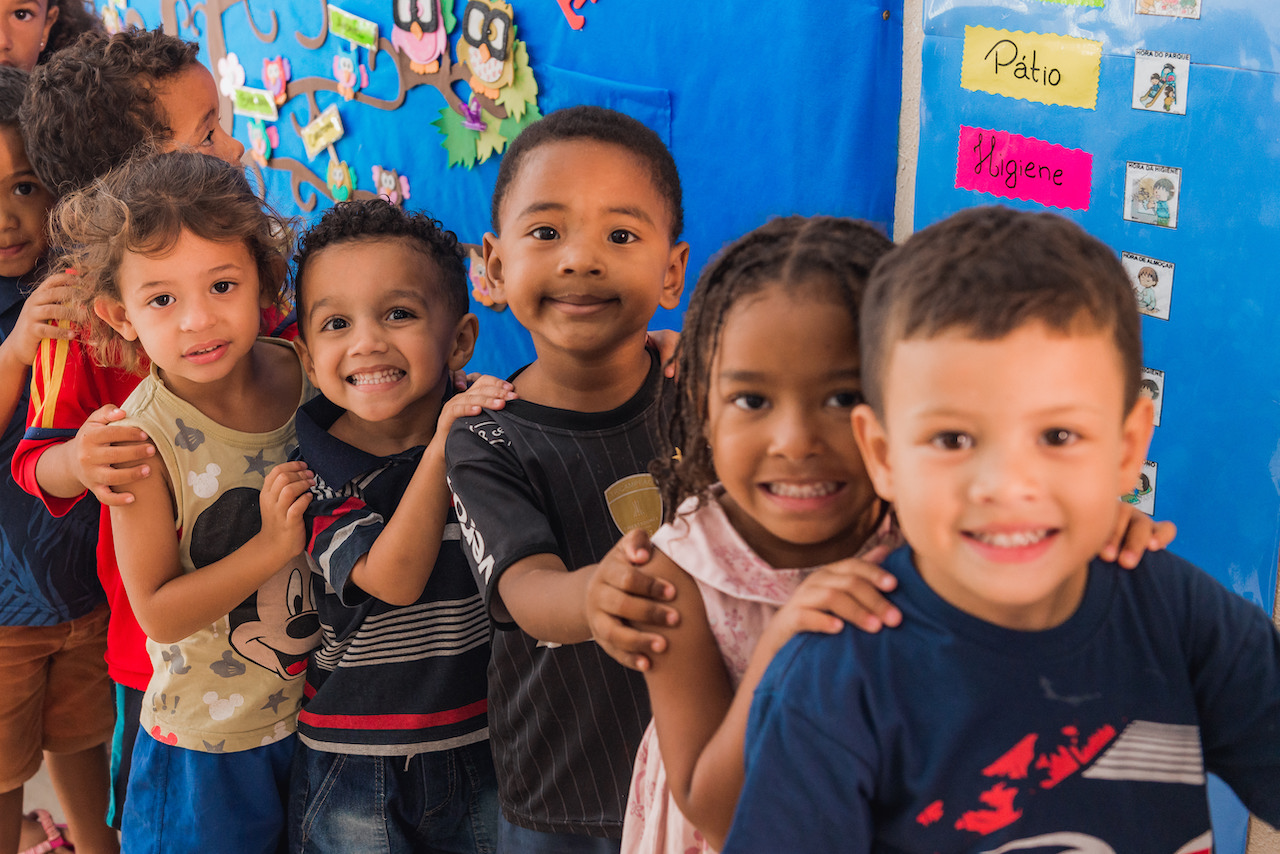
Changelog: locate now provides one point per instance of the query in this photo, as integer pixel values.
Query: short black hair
(93, 105)
(378, 219)
(988, 271)
(13, 86)
(596, 124)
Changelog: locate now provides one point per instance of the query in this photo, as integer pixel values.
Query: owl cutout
(419, 34)
(485, 292)
(341, 179)
(390, 184)
(351, 78)
(275, 78)
(486, 45)
(263, 140)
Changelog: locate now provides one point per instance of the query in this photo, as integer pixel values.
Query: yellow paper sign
(1048, 68)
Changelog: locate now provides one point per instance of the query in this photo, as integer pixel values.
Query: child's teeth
(1011, 540)
(802, 490)
(379, 377)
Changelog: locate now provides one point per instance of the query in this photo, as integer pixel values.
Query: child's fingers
(639, 608)
(860, 568)
(1164, 534)
(47, 330)
(110, 497)
(629, 647)
(853, 599)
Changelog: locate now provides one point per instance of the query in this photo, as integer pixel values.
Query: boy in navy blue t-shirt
(1034, 698)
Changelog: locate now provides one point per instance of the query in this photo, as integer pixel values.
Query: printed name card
(1050, 69)
(1022, 167)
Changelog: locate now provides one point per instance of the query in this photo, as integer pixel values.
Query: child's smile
(1004, 459)
(784, 378)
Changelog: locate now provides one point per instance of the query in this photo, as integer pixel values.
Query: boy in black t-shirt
(587, 219)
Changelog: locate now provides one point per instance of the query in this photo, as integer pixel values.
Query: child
(74, 445)
(587, 218)
(1029, 690)
(176, 255)
(33, 30)
(53, 616)
(393, 736)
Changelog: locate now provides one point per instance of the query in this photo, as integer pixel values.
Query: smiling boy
(587, 219)
(1031, 689)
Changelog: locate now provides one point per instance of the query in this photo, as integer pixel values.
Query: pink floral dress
(740, 593)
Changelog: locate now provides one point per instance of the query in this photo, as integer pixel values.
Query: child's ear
(1135, 438)
(873, 444)
(304, 356)
(673, 281)
(490, 251)
(113, 314)
(464, 342)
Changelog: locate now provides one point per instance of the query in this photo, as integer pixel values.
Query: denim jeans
(445, 802)
(513, 839)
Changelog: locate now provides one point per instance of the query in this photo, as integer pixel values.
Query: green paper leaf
(490, 141)
(458, 140)
(511, 127)
(523, 89)
(450, 19)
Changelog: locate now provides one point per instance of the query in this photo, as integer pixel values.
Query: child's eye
(1058, 436)
(334, 324)
(222, 287)
(621, 235)
(949, 440)
(845, 399)
(544, 232)
(749, 402)
(400, 314)
(24, 15)
(25, 188)
(161, 301)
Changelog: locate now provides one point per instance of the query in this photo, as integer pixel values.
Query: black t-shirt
(565, 722)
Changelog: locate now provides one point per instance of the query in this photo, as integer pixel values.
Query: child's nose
(367, 339)
(198, 315)
(228, 148)
(579, 257)
(795, 436)
(1005, 474)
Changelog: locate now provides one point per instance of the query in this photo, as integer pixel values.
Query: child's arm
(35, 323)
(398, 566)
(171, 604)
(701, 724)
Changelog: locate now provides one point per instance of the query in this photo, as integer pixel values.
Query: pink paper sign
(1021, 167)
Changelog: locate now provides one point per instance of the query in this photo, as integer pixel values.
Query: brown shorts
(54, 693)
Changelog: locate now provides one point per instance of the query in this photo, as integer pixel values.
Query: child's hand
(1139, 534)
(108, 455)
(847, 591)
(50, 301)
(481, 392)
(664, 341)
(621, 595)
(286, 494)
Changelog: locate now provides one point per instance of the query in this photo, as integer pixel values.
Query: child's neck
(415, 425)
(259, 395)
(579, 383)
(1047, 612)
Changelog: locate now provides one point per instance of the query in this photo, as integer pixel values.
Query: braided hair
(832, 256)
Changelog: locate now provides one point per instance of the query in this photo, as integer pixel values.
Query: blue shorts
(128, 722)
(189, 801)
(443, 801)
(514, 839)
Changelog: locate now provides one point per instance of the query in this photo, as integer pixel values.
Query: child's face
(1163, 194)
(189, 100)
(1004, 460)
(1146, 280)
(585, 253)
(194, 309)
(782, 383)
(24, 29)
(376, 337)
(24, 208)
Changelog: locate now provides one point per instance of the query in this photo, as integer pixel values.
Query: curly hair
(375, 219)
(989, 271)
(595, 124)
(143, 207)
(830, 256)
(75, 17)
(93, 105)
(13, 85)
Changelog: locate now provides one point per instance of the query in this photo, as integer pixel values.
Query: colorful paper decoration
(1047, 68)
(323, 131)
(419, 33)
(275, 78)
(113, 15)
(486, 45)
(254, 103)
(1160, 81)
(351, 76)
(341, 178)
(390, 184)
(1152, 193)
(1169, 8)
(1022, 167)
(482, 290)
(230, 74)
(263, 139)
(359, 31)
(571, 15)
